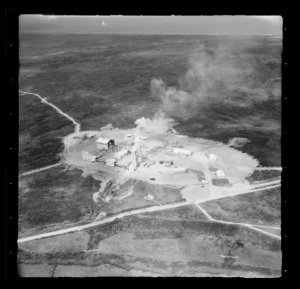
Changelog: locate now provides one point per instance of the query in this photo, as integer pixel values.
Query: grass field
(263, 175)
(41, 129)
(177, 242)
(260, 208)
(55, 196)
(58, 198)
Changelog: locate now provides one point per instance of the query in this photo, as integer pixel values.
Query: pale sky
(225, 25)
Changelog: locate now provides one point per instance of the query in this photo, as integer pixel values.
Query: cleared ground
(237, 165)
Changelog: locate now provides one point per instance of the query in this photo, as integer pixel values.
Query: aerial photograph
(149, 146)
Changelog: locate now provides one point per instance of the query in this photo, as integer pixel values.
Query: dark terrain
(101, 79)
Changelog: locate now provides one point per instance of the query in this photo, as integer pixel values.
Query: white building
(182, 152)
(110, 162)
(104, 143)
(212, 157)
(179, 170)
(204, 182)
(220, 173)
(149, 197)
(87, 156)
(121, 154)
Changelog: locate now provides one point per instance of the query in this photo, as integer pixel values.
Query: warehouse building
(105, 143)
(90, 156)
(110, 162)
(121, 154)
(182, 152)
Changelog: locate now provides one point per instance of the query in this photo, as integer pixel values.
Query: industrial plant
(141, 156)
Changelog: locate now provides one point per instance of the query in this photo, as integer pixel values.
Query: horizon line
(129, 33)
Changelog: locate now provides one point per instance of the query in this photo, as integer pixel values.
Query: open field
(39, 270)
(41, 131)
(58, 198)
(55, 197)
(175, 242)
(260, 208)
(263, 175)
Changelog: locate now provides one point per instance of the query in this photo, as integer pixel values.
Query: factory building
(121, 154)
(124, 145)
(182, 152)
(110, 162)
(105, 143)
(220, 173)
(90, 156)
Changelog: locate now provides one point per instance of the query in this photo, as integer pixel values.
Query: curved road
(77, 129)
(251, 226)
(77, 125)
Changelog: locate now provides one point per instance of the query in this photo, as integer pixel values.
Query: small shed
(212, 157)
(220, 173)
(179, 170)
(149, 197)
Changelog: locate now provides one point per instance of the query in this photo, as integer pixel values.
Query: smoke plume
(223, 74)
(160, 123)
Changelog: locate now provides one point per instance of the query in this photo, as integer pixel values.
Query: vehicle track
(77, 125)
(251, 226)
(76, 130)
(40, 169)
(134, 212)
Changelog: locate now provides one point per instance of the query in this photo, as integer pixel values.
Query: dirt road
(77, 128)
(268, 169)
(134, 212)
(40, 169)
(77, 125)
(210, 218)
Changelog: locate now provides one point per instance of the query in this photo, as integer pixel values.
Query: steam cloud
(160, 123)
(225, 74)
